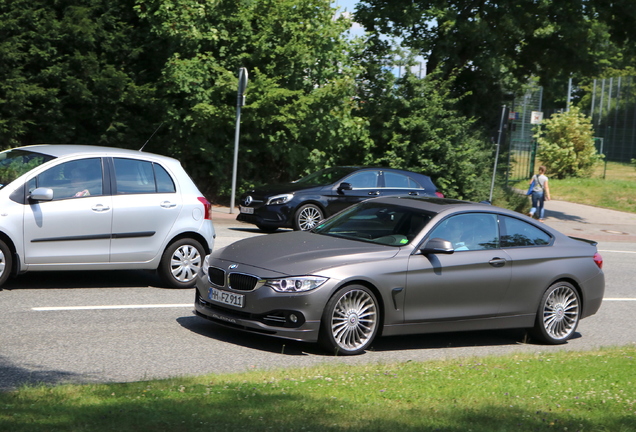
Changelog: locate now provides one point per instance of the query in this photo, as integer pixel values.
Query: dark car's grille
(216, 276)
(242, 282)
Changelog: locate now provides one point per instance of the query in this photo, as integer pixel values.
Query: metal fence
(522, 145)
(613, 112)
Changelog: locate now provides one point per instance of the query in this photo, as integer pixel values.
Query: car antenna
(153, 134)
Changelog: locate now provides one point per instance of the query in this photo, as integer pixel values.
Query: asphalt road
(124, 326)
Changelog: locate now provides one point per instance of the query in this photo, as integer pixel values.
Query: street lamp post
(240, 101)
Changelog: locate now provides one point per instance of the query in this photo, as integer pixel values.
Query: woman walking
(540, 193)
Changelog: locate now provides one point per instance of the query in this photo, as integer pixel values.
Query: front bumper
(278, 322)
(268, 218)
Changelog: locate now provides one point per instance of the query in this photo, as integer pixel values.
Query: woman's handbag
(531, 186)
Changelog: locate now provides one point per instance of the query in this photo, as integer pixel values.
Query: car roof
(437, 205)
(379, 168)
(60, 150)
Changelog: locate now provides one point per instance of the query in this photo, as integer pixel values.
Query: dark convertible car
(404, 265)
(302, 204)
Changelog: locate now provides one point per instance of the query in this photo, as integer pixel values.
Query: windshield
(326, 176)
(14, 163)
(376, 223)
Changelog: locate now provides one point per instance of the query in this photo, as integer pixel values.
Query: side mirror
(41, 194)
(437, 246)
(344, 186)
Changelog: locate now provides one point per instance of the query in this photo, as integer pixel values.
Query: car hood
(301, 252)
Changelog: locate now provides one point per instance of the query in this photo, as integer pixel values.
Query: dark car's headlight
(279, 199)
(206, 264)
(296, 283)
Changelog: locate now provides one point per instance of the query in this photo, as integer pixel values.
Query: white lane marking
(619, 299)
(61, 308)
(616, 251)
(178, 305)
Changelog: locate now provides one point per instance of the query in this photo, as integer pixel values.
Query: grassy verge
(565, 391)
(612, 186)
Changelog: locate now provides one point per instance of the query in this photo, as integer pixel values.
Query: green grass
(612, 187)
(564, 391)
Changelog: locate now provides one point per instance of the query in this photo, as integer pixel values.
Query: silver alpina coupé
(404, 265)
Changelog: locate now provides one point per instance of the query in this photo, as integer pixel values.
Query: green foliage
(566, 145)
(74, 71)
(510, 198)
(299, 109)
(498, 45)
(415, 126)
(557, 390)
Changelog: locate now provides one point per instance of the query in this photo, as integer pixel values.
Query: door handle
(100, 208)
(413, 193)
(168, 204)
(374, 193)
(497, 262)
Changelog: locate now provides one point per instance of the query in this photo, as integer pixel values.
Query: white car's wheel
(6, 262)
(181, 263)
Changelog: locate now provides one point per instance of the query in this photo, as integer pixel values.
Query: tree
(75, 71)
(110, 72)
(414, 126)
(299, 107)
(498, 45)
(566, 145)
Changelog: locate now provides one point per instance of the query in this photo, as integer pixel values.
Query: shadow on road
(86, 279)
(434, 341)
(12, 376)
(564, 216)
(265, 343)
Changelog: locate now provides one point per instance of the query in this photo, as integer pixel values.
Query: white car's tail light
(207, 207)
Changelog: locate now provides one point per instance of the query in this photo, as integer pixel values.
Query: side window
(364, 179)
(517, 233)
(394, 180)
(75, 179)
(141, 177)
(164, 181)
(470, 231)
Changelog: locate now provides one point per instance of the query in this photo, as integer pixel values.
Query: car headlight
(279, 199)
(296, 283)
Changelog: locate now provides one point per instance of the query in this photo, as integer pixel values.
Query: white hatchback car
(73, 207)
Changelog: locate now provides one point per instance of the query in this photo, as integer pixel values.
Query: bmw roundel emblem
(233, 266)
(247, 200)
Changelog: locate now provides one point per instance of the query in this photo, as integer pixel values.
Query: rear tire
(181, 263)
(558, 315)
(6, 262)
(350, 321)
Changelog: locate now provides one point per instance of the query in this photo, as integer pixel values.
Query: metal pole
(494, 171)
(240, 101)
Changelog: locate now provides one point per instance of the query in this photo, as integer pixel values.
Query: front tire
(307, 217)
(558, 315)
(350, 321)
(6, 262)
(181, 263)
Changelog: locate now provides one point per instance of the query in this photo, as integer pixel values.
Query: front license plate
(247, 210)
(227, 298)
